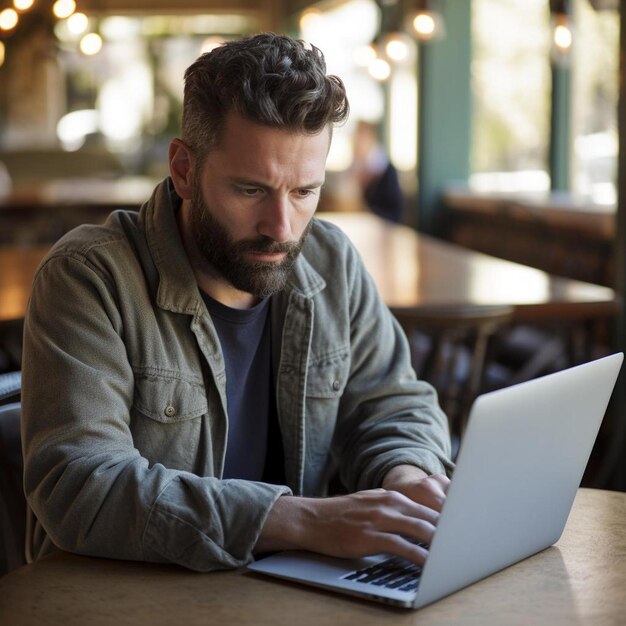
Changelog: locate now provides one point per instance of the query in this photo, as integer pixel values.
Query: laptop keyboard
(393, 573)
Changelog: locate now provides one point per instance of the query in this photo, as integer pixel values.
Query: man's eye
(305, 192)
(249, 191)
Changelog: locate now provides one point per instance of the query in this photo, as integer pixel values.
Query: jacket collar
(178, 289)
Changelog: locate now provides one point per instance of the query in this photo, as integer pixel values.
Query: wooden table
(579, 581)
(412, 271)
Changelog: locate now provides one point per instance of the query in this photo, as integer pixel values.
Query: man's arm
(86, 481)
(387, 418)
(387, 520)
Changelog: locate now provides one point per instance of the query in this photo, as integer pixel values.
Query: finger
(412, 529)
(396, 545)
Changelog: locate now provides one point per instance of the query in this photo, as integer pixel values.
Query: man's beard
(227, 258)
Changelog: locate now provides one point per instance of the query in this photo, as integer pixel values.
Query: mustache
(266, 245)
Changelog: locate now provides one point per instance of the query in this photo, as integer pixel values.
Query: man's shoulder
(88, 240)
(328, 238)
(329, 253)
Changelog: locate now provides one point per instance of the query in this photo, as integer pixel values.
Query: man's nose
(275, 222)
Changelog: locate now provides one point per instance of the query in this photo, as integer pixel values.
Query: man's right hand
(350, 526)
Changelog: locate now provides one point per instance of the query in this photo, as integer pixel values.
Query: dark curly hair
(270, 79)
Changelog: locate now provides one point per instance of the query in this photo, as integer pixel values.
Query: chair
(12, 499)
(10, 386)
(450, 349)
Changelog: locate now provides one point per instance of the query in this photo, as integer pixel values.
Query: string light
(562, 34)
(397, 46)
(8, 19)
(23, 5)
(77, 23)
(91, 44)
(64, 8)
(2, 53)
(562, 37)
(426, 22)
(379, 69)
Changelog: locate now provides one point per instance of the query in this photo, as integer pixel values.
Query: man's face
(252, 202)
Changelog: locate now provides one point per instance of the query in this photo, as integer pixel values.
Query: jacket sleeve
(387, 417)
(87, 484)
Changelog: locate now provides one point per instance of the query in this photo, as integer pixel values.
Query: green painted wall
(444, 112)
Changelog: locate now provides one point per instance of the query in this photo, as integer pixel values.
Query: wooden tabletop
(579, 581)
(411, 271)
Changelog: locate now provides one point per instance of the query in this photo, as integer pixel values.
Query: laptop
(519, 466)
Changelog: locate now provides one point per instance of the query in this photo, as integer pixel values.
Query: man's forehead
(245, 143)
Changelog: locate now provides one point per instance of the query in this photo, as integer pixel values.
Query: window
(594, 108)
(511, 95)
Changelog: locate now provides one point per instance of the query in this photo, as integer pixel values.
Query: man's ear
(181, 167)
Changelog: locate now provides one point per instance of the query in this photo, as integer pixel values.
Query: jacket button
(336, 385)
(170, 411)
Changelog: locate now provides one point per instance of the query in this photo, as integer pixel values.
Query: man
(195, 374)
(375, 174)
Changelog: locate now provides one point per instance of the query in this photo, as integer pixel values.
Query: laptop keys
(394, 573)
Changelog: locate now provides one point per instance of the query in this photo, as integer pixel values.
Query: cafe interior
(496, 237)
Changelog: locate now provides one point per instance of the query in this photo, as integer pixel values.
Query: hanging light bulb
(8, 19)
(397, 46)
(2, 53)
(63, 8)
(562, 32)
(379, 69)
(91, 44)
(77, 23)
(426, 21)
(23, 5)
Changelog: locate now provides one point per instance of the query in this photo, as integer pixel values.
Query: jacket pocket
(327, 374)
(169, 398)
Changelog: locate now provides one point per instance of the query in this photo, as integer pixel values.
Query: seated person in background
(195, 373)
(375, 174)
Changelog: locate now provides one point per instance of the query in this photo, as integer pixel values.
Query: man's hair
(269, 79)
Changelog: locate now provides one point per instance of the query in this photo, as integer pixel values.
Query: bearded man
(196, 373)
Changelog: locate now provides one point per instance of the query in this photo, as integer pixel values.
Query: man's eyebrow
(255, 183)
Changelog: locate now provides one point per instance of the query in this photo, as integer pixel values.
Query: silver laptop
(520, 464)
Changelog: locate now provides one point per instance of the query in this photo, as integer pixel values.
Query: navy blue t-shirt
(254, 448)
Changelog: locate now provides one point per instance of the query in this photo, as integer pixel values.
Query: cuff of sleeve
(216, 528)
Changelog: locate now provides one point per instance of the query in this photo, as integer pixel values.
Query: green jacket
(124, 401)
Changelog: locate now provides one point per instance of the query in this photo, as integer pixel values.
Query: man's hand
(367, 522)
(417, 485)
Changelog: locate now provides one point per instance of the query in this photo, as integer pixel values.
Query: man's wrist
(401, 475)
(283, 524)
